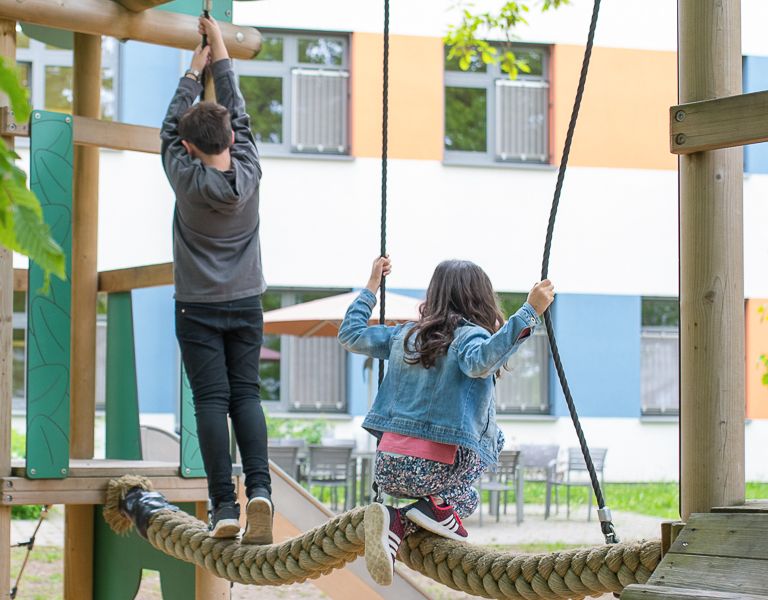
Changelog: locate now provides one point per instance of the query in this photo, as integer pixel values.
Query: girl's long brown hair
(459, 290)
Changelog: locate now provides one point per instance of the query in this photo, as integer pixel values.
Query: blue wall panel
(599, 342)
(756, 80)
(157, 362)
(149, 76)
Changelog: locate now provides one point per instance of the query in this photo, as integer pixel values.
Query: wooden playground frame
(706, 129)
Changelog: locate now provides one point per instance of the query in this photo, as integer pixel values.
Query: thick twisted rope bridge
(475, 570)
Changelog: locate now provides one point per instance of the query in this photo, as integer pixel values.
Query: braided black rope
(384, 144)
(605, 520)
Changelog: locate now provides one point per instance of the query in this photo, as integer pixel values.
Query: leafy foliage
(21, 218)
(467, 47)
(310, 431)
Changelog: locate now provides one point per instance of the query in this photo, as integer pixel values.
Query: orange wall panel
(757, 344)
(624, 119)
(415, 96)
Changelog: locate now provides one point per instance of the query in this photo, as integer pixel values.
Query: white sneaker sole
(377, 557)
(225, 528)
(258, 528)
(426, 522)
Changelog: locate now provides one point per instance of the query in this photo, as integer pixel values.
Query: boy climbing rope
(434, 414)
(210, 158)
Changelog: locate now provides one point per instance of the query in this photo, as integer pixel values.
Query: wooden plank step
(650, 592)
(91, 490)
(750, 506)
(734, 535)
(721, 574)
(109, 468)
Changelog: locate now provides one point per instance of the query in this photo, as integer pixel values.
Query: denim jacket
(451, 402)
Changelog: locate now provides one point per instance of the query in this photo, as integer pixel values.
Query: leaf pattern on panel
(191, 459)
(48, 348)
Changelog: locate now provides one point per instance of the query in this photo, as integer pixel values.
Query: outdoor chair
(577, 475)
(329, 467)
(286, 457)
(499, 482)
(538, 463)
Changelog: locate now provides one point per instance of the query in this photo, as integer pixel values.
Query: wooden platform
(720, 555)
(88, 479)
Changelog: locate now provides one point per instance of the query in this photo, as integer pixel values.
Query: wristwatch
(195, 74)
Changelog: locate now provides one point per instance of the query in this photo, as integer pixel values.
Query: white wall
(638, 450)
(616, 231)
(649, 25)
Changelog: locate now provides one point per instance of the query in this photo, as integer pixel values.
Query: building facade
(472, 166)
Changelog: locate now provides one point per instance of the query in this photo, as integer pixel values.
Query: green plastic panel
(123, 437)
(48, 356)
(191, 459)
(222, 9)
(118, 562)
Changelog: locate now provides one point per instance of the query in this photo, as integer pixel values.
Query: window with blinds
(659, 373)
(319, 105)
(522, 109)
(523, 386)
(314, 374)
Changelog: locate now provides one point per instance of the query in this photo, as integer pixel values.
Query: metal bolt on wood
(680, 139)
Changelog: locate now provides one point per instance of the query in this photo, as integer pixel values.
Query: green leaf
(17, 93)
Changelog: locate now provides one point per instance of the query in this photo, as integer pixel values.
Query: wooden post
(207, 585)
(8, 51)
(711, 271)
(78, 525)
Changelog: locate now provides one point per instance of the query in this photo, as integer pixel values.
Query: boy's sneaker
(258, 521)
(383, 535)
(441, 520)
(225, 520)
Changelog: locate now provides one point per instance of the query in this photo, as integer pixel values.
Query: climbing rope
(604, 513)
(384, 148)
(568, 574)
(29, 545)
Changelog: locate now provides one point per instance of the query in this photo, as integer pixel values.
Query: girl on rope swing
(434, 414)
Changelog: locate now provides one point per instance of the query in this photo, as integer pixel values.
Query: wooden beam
(125, 280)
(96, 133)
(118, 280)
(78, 519)
(105, 17)
(91, 490)
(116, 136)
(140, 5)
(7, 279)
(719, 123)
(20, 280)
(711, 270)
(651, 592)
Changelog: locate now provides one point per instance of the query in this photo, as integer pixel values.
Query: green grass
(658, 499)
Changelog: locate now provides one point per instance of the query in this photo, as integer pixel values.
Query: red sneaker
(383, 534)
(441, 520)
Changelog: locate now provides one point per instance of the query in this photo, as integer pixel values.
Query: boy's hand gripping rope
(604, 513)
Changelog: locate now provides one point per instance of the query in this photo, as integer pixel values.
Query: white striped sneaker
(383, 534)
(441, 520)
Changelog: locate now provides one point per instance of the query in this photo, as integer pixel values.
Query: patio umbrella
(323, 317)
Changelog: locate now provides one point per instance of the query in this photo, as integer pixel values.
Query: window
(523, 385)
(492, 118)
(47, 73)
(302, 374)
(659, 343)
(296, 92)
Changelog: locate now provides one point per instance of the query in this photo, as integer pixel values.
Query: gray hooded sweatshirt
(216, 249)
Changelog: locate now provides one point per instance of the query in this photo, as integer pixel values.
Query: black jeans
(220, 345)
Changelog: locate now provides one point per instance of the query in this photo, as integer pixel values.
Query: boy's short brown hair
(207, 126)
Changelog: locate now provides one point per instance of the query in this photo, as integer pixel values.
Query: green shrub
(311, 432)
